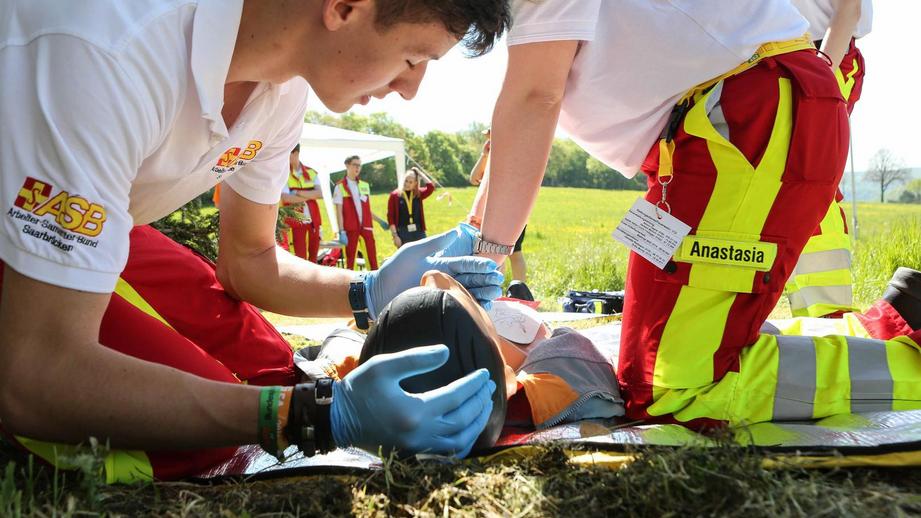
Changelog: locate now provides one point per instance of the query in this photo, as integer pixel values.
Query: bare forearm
(129, 403)
(840, 31)
(281, 283)
(523, 131)
(57, 383)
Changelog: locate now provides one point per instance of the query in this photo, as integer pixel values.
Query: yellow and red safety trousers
(303, 237)
(169, 308)
(755, 185)
(822, 282)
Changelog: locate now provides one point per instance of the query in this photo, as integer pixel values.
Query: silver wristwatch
(481, 247)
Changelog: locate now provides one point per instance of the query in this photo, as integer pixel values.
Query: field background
(568, 245)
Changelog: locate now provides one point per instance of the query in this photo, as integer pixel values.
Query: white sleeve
(553, 20)
(337, 194)
(75, 124)
(263, 179)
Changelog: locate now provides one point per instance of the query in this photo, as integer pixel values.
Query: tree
(885, 170)
(911, 193)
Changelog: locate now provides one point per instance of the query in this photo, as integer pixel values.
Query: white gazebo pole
(854, 225)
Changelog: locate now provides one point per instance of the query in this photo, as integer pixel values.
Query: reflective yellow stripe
(846, 84)
(289, 233)
(832, 381)
(739, 205)
(904, 358)
(822, 281)
(692, 334)
(125, 291)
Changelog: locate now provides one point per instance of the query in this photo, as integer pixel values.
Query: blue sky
(458, 91)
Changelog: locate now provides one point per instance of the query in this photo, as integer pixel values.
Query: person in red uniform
(356, 220)
(405, 211)
(303, 235)
(741, 130)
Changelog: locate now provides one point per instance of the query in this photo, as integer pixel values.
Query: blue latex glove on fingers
(383, 224)
(343, 237)
(404, 270)
(463, 245)
(370, 410)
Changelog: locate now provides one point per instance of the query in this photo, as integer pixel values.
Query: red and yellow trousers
(369, 248)
(169, 308)
(302, 239)
(757, 162)
(822, 283)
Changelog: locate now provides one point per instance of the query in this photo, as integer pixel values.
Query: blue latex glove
(463, 245)
(370, 410)
(343, 237)
(383, 224)
(404, 270)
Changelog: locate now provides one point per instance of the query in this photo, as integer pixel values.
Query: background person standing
(356, 218)
(303, 235)
(822, 284)
(405, 211)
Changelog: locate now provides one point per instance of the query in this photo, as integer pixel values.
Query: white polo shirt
(638, 57)
(820, 12)
(110, 116)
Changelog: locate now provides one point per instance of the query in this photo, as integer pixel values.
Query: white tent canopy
(325, 148)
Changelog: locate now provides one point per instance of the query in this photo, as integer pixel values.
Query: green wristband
(268, 419)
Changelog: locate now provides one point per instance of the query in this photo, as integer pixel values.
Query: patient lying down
(559, 373)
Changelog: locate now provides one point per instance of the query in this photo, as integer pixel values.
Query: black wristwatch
(309, 425)
(359, 302)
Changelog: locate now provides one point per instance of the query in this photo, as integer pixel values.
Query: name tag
(654, 235)
(411, 227)
(757, 255)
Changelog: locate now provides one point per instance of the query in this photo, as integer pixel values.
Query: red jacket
(397, 201)
(349, 214)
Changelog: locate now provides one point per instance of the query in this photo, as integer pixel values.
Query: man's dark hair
(478, 23)
(353, 157)
(297, 148)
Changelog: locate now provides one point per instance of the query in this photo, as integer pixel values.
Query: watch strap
(359, 302)
(481, 246)
(309, 425)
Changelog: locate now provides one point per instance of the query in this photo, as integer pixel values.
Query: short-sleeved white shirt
(638, 57)
(820, 12)
(110, 116)
(356, 196)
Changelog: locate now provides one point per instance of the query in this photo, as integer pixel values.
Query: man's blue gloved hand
(343, 237)
(404, 270)
(370, 410)
(383, 224)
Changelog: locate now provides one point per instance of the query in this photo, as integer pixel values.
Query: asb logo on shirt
(235, 157)
(71, 213)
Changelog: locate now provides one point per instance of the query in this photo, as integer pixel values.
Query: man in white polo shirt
(113, 114)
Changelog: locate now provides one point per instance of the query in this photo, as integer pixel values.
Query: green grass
(568, 246)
